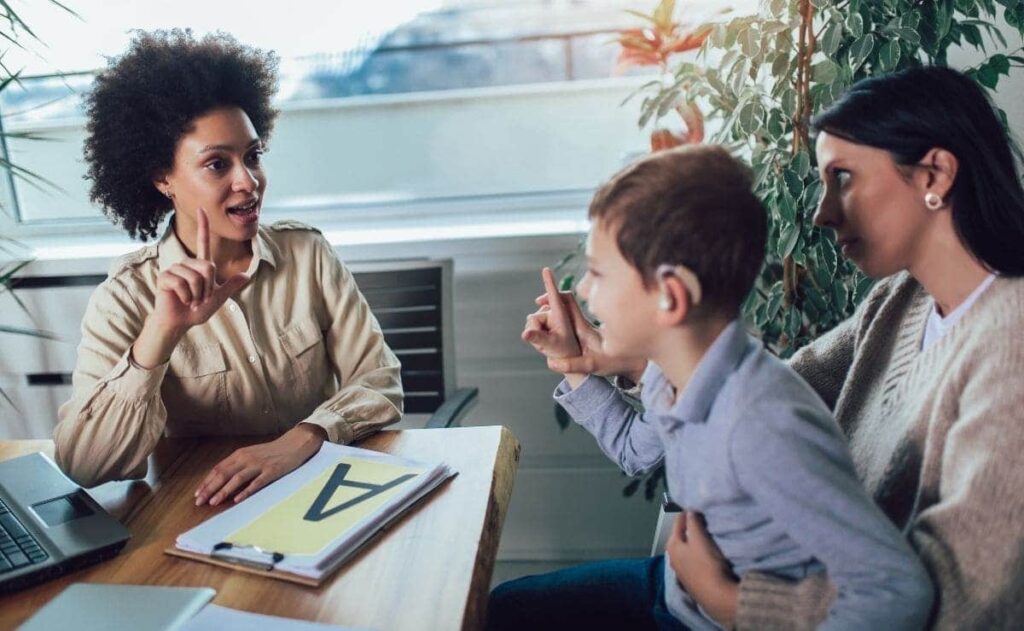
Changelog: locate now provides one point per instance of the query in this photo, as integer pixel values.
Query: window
(368, 119)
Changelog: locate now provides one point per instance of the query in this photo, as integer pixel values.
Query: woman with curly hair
(225, 325)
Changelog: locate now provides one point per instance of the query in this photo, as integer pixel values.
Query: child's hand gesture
(550, 329)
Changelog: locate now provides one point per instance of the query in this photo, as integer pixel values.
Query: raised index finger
(554, 299)
(202, 235)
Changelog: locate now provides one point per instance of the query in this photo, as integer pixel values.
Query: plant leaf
(855, 24)
(831, 40)
(860, 50)
(889, 55)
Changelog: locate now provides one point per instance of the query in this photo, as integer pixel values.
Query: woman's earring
(665, 302)
(168, 195)
(932, 201)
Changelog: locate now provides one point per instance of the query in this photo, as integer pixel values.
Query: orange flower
(662, 139)
(655, 44)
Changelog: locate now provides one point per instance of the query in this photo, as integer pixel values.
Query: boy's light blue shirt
(754, 449)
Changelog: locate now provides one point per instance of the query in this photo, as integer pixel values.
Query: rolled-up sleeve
(369, 373)
(115, 416)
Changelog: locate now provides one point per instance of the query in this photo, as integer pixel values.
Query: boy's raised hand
(591, 360)
(550, 329)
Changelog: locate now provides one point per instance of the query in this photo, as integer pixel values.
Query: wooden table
(431, 570)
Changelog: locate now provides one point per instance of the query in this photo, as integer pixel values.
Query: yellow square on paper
(329, 505)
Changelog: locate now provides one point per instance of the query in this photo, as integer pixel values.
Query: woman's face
(218, 166)
(877, 212)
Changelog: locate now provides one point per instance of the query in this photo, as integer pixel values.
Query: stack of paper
(313, 519)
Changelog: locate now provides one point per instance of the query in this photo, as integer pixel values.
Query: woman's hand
(701, 568)
(188, 294)
(249, 469)
(591, 359)
(189, 291)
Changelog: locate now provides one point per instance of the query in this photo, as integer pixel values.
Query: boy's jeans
(622, 594)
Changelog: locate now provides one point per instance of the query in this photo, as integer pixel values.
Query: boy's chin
(616, 351)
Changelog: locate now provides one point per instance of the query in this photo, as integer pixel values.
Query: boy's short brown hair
(689, 206)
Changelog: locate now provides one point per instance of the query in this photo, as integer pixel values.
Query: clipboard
(302, 513)
(267, 567)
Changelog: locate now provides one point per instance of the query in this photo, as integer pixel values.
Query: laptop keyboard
(18, 547)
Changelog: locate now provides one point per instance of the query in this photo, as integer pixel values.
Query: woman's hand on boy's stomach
(702, 569)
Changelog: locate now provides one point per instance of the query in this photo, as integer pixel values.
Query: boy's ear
(673, 301)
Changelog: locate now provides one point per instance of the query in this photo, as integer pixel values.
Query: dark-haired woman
(922, 188)
(224, 326)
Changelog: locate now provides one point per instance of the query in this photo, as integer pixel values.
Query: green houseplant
(759, 78)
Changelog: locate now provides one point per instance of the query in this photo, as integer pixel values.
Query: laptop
(48, 524)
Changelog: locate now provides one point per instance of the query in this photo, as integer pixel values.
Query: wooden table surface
(431, 570)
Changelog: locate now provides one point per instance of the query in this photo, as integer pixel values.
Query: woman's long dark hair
(910, 112)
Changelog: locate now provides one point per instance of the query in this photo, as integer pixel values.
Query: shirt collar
(170, 250)
(720, 360)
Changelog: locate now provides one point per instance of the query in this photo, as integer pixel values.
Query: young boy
(676, 243)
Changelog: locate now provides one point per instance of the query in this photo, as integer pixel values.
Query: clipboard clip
(267, 564)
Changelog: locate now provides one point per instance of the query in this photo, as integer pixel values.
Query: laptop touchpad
(62, 510)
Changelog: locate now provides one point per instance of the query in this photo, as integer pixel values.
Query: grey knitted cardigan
(937, 437)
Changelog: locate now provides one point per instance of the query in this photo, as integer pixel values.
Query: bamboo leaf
(8, 399)
(17, 330)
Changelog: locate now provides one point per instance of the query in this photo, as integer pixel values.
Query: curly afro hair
(146, 100)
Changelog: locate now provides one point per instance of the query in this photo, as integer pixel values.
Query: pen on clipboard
(273, 558)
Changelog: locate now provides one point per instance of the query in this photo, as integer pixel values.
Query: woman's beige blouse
(298, 344)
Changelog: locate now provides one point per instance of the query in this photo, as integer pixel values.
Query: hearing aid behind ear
(665, 301)
(685, 276)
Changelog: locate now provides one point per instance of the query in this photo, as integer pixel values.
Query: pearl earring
(665, 302)
(932, 201)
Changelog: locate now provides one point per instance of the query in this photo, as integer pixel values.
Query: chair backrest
(412, 300)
